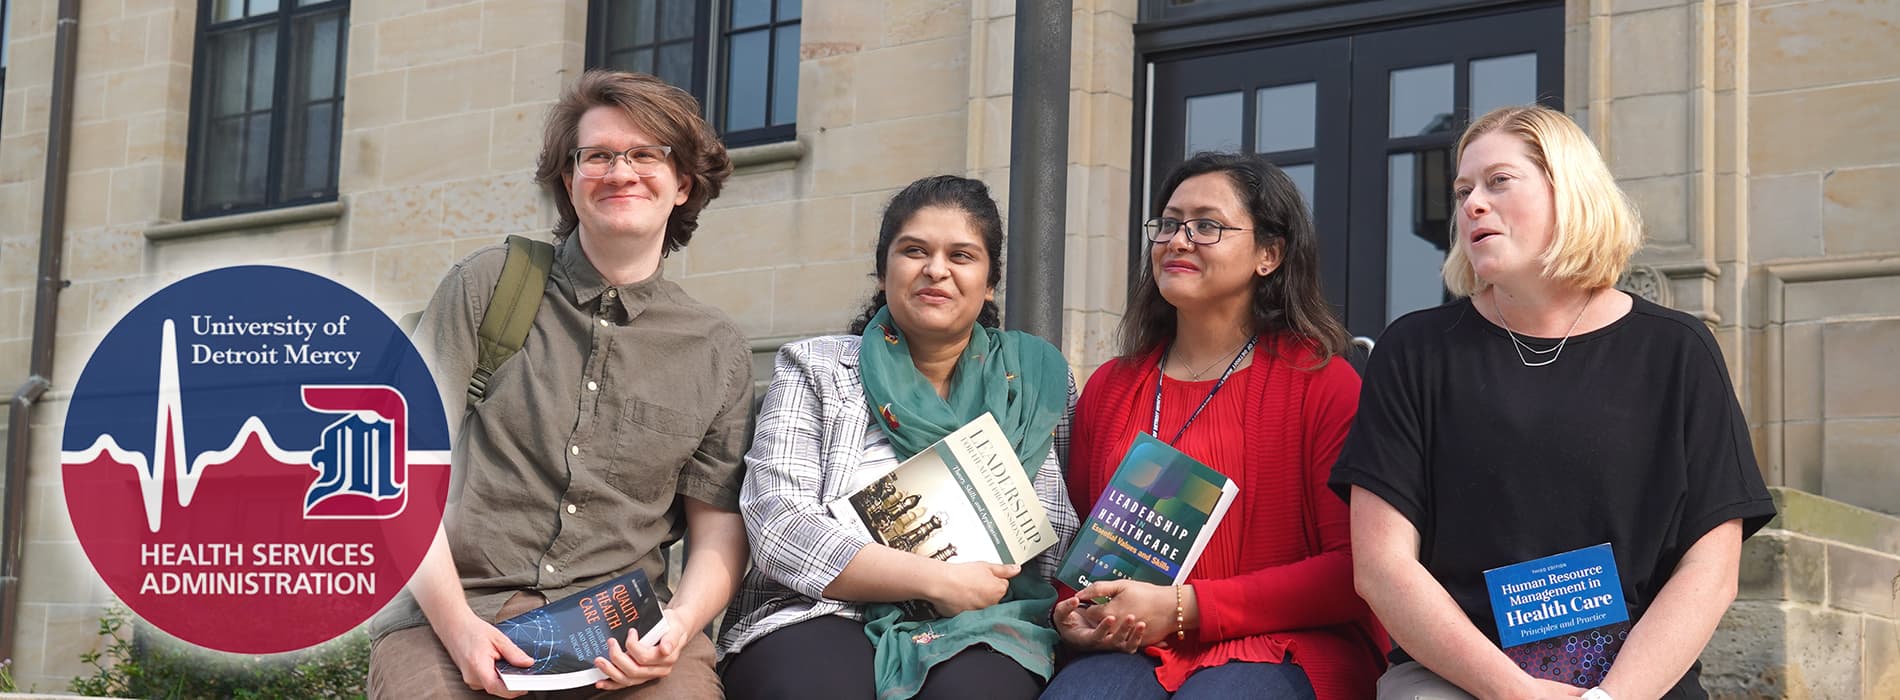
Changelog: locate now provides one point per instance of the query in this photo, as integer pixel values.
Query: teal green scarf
(1023, 382)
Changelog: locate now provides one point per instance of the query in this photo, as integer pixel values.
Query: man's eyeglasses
(1200, 231)
(592, 161)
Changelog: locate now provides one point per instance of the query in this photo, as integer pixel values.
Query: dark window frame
(6, 38)
(770, 132)
(286, 21)
(600, 51)
(711, 72)
(1166, 33)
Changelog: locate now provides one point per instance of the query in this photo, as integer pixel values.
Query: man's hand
(1111, 634)
(632, 662)
(971, 585)
(475, 645)
(1136, 603)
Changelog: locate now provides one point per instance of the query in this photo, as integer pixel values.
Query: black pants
(831, 658)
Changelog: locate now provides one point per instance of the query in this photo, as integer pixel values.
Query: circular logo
(255, 459)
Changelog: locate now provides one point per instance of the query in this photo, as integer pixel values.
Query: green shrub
(138, 663)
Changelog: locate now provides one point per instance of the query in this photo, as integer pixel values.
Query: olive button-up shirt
(570, 471)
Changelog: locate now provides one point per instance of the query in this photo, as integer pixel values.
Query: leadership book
(1152, 521)
(565, 636)
(966, 498)
(1562, 617)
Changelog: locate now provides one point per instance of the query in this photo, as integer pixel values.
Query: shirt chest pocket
(653, 442)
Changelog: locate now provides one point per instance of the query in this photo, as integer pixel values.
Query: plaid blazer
(813, 432)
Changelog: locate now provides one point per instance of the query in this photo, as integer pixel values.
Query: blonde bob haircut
(1596, 228)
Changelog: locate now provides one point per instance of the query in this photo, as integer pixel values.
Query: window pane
(1421, 100)
(218, 172)
(1302, 175)
(677, 19)
(307, 158)
(229, 81)
(262, 7)
(263, 68)
(636, 60)
(745, 80)
(789, 9)
(256, 158)
(676, 65)
(224, 10)
(630, 23)
(1501, 81)
(785, 75)
(1213, 123)
(1286, 117)
(1417, 230)
(314, 63)
(750, 13)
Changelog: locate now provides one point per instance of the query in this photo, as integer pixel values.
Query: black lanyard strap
(1154, 424)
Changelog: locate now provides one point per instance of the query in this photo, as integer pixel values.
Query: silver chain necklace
(1556, 351)
(1196, 376)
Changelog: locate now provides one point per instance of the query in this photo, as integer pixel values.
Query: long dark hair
(963, 194)
(1288, 299)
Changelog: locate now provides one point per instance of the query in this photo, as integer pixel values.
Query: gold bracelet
(1180, 616)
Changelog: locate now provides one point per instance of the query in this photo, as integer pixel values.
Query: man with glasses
(617, 427)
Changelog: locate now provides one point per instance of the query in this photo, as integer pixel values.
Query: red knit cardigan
(1298, 593)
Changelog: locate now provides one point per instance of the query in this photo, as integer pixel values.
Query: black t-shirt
(1632, 436)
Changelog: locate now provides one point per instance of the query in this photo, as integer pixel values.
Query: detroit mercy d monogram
(255, 459)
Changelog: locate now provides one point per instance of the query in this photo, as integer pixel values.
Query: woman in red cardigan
(1229, 326)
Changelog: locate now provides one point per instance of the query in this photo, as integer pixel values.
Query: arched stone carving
(1646, 282)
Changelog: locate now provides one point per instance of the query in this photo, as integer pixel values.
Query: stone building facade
(1750, 133)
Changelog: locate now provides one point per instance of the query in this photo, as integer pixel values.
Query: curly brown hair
(668, 113)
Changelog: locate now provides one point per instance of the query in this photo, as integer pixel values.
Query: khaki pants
(1411, 681)
(411, 664)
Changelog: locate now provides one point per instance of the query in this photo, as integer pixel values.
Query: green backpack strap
(510, 312)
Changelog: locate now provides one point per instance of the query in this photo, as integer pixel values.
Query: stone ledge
(1862, 582)
(1777, 566)
(770, 345)
(246, 221)
(768, 157)
(1827, 519)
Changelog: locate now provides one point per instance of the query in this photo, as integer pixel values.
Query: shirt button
(611, 293)
(573, 449)
(571, 509)
(591, 386)
(603, 322)
(549, 567)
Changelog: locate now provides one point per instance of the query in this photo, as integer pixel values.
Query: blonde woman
(1545, 411)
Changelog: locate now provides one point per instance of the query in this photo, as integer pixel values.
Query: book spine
(1206, 534)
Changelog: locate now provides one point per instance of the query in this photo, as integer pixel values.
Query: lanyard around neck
(1154, 423)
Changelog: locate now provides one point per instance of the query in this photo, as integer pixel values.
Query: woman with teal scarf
(825, 611)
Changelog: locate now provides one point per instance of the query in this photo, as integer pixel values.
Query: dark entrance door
(1288, 103)
(1364, 119)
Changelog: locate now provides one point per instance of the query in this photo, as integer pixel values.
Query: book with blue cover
(565, 636)
(1152, 521)
(1562, 617)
